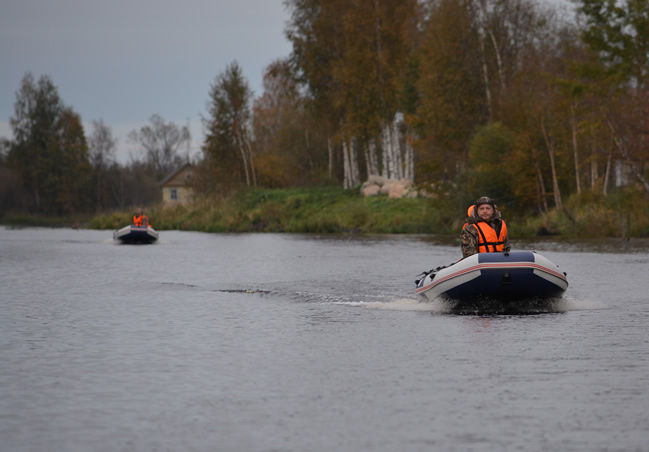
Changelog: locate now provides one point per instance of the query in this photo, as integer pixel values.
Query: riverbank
(313, 210)
(26, 220)
(334, 210)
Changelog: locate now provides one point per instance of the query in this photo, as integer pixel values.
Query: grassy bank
(334, 210)
(30, 220)
(320, 210)
(623, 214)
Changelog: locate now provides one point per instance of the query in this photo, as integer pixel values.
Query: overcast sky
(123, 61)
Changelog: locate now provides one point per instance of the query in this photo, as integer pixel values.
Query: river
(278, 342)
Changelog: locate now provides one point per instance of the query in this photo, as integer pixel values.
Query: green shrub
(334, 210)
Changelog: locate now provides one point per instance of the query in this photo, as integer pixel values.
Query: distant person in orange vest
(485, 230)
(139, 219)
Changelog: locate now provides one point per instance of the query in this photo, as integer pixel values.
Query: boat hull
(136, 234)
(506, 278)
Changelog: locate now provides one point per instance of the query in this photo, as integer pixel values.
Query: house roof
(175, 173)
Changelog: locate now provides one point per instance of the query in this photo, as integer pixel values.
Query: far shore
(332, 210)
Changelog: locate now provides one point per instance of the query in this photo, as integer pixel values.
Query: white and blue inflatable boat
(136, 234)
(504, 279)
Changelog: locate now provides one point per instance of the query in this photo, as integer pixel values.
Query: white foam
(402, 304)
(440, 306)
(581, 305)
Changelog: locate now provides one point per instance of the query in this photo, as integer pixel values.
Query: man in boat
(139, 219)
(485, 231)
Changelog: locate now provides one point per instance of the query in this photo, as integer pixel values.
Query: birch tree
(505, 28)
(351, 56)
(374, 64)
(617, 33)
(452, 96)
(316, 33)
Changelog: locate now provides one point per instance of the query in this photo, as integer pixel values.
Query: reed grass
(334, 210)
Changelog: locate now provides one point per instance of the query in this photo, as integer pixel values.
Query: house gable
(177, 186)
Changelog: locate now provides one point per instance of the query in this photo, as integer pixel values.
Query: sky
(123, 61)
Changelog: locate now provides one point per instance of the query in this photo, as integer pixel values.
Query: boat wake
(441, 306)
(397, 302)
(401, 304)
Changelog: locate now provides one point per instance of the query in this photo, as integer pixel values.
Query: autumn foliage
(507, 98)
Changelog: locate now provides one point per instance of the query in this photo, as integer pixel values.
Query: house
(177, 187)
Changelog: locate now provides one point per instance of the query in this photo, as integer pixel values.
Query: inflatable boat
(136, 234)
(495, 279)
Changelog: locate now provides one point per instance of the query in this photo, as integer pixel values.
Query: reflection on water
(262, 342)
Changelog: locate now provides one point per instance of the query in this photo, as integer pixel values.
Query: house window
(173, 194)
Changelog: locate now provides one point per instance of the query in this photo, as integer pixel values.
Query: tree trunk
(410, 162)
(245, 163)
(608, 174)
(251, 158)
(396, 149)
(353, 162)
(539, 175)
(555, 182)
(594, 176)
(243, 155)
(573, 126)
(373, 168)
(346, 166)
(118, 193)
(501, 68)
(330, 148)
(385, 147)
(98, 191)
(497, 52)
(368, 166)
(621, 146)
(371, 164)
(485, 74)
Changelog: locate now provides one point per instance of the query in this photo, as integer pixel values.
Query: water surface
(271, 342)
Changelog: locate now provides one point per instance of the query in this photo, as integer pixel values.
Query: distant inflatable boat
(136, 234)
(503, 280)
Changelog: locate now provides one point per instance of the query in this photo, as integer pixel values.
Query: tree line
(462, 97)
(51, 167)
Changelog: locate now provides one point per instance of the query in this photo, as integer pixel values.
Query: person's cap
(485, 200)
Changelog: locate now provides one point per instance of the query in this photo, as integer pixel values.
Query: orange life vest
(489, 240)
(142, 220)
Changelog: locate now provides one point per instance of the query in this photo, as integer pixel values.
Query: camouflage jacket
(470, 237)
